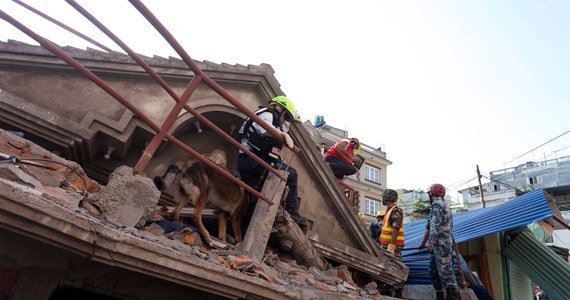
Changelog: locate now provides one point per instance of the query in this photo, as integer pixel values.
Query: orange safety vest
(386, 234)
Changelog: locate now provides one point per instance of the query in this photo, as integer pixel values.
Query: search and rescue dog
(194, 182)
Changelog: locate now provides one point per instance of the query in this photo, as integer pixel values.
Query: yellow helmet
(361, 216)
(381, 213)
(287, 104)
(357, 144)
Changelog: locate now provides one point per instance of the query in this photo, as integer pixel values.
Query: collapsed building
(98, 111)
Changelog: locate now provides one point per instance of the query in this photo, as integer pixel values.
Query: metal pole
(102, 84)
(460, 267)
(77, 33)
(150, 150)
(480, 186)
(206, 79)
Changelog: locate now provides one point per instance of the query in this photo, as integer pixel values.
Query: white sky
(441, 86)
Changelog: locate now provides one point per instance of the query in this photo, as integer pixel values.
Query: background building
(552, 175)
(506, 184)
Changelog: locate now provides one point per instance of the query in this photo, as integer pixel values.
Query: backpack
(262, 146)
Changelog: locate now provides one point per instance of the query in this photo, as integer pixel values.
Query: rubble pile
(128, 203)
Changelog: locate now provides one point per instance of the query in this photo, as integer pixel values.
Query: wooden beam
(294, 241)
(487, 280)
(561, 221)
(261, 224)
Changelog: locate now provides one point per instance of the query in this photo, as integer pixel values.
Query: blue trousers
(253, 174)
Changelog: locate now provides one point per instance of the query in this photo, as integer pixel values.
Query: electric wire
(533, 150)
(459, 183)
(536, 147)
(15, 160)
(497, 181)
(560, 240)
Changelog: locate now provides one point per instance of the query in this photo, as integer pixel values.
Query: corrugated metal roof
(521, 211)
(542, 265)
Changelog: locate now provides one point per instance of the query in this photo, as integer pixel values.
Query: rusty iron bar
(73, 63)
(166, 125)
(561, 221)
(151, 149)
(207, 80)
(217, 168)
(417, 259)
(423, 273)
(222, 92)
(458, 260)
(411, 248)
(102, 84)
(77, 33)
(459, 266)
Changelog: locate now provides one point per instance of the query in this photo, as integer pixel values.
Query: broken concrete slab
(128, 199)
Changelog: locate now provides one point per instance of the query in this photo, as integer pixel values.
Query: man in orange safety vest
(392, 235)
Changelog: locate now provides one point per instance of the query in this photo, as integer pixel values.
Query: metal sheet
(541, 264)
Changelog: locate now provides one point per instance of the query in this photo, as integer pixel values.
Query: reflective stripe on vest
(386, 234)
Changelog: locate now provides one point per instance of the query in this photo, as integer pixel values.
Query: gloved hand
(288, 141)
(357, 161)
(391, 248)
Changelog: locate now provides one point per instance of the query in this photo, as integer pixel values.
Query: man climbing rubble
(278, 113)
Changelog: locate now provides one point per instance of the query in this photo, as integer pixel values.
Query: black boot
(439, 295)
(452, 294)
(297, 217)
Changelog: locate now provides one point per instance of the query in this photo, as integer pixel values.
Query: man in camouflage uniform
(438, 235)
(392, 235)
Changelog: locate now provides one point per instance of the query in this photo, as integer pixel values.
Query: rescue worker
(392, 235)
(342, 157)
(375, 227)
(438, 236)
(278, 113)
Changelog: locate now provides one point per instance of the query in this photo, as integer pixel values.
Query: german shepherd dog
(193, 181)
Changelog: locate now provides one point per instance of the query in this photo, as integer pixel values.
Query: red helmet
(436, 190)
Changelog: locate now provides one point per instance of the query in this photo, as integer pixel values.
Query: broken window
(533, 180)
